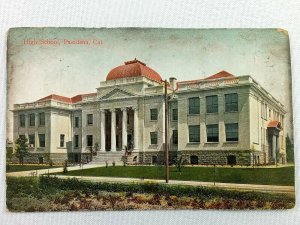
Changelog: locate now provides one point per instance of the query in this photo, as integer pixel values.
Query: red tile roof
(74, 99)
(56, 97)
(133, 68)
(78, 98)
(221, 74)
(274, 124)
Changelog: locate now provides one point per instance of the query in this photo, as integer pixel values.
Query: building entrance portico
(117, 129)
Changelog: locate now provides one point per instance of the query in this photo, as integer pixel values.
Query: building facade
(222, 119)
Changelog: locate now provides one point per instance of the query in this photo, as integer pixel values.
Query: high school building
(222, 119)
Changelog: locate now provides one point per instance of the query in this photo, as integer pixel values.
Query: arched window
(194, 159)
(154, 159)
(231, 160)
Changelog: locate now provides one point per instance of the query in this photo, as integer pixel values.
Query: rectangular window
(42, 118)
(232, 132)
(62, 140)
(175, 114)
(22, 120)
(76, 121)
(266, 111)
(32, 119)
(194, 133)
(31, 138)
(90, 119)
(89, 140)
(175, 137)
(153, 137)
(42, 140)
(231, 102)
(262, 136)
(212, 104)
(153, 114)
(212, 133)
(76, 141)
(194, 105)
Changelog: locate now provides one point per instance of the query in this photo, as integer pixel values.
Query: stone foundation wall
(34, 158)
(217, 157)
(147, 157)
(259, 158)
(245, 158)
(42, 158)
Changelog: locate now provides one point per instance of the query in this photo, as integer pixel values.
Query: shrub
(65, 170)
(7, 167)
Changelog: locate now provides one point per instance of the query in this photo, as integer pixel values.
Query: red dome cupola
(134, 68)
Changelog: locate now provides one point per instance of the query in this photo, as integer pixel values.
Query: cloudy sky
(55, 66)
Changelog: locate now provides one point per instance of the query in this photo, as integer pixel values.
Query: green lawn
(275, 176)
(17, 168)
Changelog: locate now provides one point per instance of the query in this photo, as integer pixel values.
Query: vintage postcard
(134, 119)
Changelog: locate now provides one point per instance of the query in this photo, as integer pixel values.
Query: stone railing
(202, 84)
(89, 98)
(42, 104)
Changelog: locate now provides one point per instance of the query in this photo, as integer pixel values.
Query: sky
(54, 66)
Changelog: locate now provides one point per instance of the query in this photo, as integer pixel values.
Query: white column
(113, 130)
(102, 130)
(124, 128)
(136, 129)
(36, 135)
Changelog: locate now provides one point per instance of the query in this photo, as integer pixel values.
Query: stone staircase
(110, 157)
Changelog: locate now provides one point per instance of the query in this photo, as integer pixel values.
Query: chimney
(173, 82)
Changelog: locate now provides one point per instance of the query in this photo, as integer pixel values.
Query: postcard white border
(136, 13)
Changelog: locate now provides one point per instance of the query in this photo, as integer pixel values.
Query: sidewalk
(232, 186)
(51, 170)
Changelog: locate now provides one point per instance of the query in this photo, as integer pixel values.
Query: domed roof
(133, 68)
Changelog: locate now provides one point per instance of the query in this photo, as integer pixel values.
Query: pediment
(117, 93)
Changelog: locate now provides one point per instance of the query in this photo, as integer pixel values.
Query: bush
(7, 167)
(65, 170)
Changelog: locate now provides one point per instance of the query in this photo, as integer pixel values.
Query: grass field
(271, 176)
(17, 168)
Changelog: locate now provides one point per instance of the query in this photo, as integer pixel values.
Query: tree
(9, 153)
(21, 147)
(125, 156)
(180, 164)
(289, 149)
(96, 147)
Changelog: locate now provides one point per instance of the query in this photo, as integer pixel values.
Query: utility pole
(166, 133)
